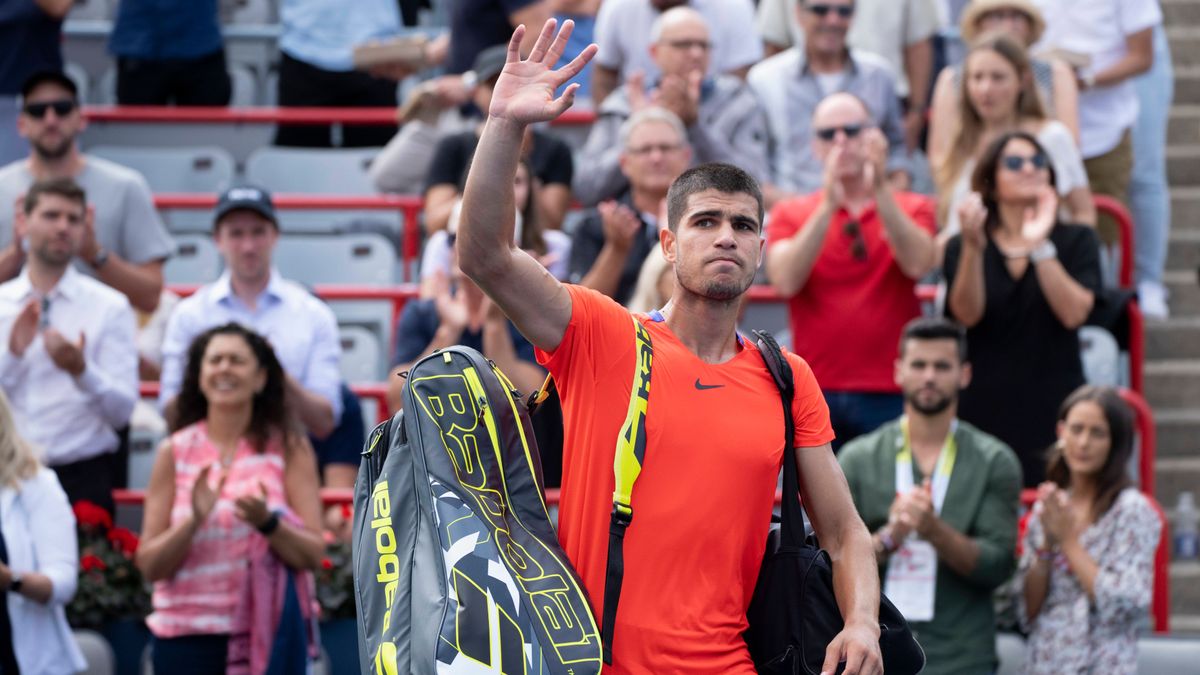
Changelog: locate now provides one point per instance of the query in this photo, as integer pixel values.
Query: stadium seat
(196, 260)
(314, 171)
(353, 258)
(91, 10)
(106, 87)
(204, 168)
(373, 315)
(96, 651)
(362, 355)
(250, 12)
(1168, 654)
(1010, 648)
(330, 221)
(79, 76)
(245, 86)
(1101, 357)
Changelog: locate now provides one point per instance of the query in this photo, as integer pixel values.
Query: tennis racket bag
(457, 568)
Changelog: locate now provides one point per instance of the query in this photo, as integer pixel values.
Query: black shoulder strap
(792, 529)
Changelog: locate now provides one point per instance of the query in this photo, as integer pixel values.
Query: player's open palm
(525, 91)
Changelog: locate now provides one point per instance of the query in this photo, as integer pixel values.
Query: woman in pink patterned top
(1085, 574)
(235, 479)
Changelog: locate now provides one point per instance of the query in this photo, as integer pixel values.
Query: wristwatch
(15, 583)
(101, 258)
(470, 79)
(1044, 251)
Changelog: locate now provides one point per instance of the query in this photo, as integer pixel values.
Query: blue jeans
(856, 413)
(1149, 198)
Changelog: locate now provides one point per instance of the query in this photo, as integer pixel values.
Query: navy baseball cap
(43, 76)
(248, 197)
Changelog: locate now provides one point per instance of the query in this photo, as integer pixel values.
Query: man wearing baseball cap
(299, 326)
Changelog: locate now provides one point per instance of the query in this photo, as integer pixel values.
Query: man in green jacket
(941, 499)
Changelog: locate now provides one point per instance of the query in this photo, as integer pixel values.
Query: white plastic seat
(90, 10)
(374, 316)
(79, 76)
(206, 168)
(353, 258)
(96, 651)
(362, 354)
(244, 85)
(196, 260)
(1010, 649)
(314, 171)
(249, 12)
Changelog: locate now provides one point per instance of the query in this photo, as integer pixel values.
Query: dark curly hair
(270, 415)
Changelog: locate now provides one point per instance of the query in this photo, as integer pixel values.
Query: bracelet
(1046, 554)
(885, 538)
(272, 524)
(1044, 251)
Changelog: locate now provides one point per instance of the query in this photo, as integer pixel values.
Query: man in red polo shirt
(848, 257)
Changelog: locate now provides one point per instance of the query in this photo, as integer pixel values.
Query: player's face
(717, 245)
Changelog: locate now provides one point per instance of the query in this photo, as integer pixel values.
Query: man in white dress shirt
(299, 326)
(68, 361)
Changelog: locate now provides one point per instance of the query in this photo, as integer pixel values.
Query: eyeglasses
(1017, 162)
(829, 133)
(843, 11)
(664, 148)
(858, 247)
(61, 108)
(683, 45)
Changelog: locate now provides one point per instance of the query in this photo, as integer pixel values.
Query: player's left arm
(826, 498)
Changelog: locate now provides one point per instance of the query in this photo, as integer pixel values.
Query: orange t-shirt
(702, 505)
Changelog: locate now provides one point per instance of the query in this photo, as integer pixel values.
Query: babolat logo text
(389, 570)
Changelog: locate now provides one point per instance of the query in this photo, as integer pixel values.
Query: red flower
(90, 515)
(326, 564)
(91, 562)
(347, 511)
(123, 540)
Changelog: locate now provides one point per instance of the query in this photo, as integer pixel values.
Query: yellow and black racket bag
(457, 568)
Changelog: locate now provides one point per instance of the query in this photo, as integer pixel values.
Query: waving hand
(525, 91)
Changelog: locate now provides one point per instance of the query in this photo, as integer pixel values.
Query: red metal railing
(375, 116)
(1109, 206)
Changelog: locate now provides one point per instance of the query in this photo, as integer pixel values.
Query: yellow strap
(631, 442)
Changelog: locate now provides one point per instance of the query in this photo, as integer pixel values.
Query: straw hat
(969, 25)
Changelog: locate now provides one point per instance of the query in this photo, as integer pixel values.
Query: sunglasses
(858, 247)
(829, 133)
(61, 108)
(1017, 162)
(843, 11)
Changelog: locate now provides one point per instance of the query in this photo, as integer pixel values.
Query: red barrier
(375, 116)
(1114, 208)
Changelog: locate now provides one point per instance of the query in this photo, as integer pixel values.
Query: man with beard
(67, 357)
(941, 497)
(713, 425)
(127, 245)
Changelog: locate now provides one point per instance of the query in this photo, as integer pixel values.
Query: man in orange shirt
(714, 441)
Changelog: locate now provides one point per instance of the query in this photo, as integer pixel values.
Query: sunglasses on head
(829, 133)
(1017, 162)
(843, 11)
(61, 108)
(858, 246)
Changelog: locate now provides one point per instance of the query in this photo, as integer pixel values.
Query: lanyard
(941, 471)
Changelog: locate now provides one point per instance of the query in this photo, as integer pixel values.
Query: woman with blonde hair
(999, 96)
(39, 560)
(655, 282)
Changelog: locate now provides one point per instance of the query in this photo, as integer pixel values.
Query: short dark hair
(63, 187)
(983, 180)
(717, 176)
(935, 328)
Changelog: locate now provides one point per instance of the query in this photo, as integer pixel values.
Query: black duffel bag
(794, 615)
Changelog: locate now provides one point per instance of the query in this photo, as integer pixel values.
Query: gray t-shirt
(126, 221)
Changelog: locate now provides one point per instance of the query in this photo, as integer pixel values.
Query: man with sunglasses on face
(848, 256)
(792, 83)
(128, 244)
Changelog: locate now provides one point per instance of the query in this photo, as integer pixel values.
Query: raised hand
(620, 224)
(1040, 219)
(835, 194)
(451, 306)
(252, 508)
(25, 328)
(681, 95)
(524, 93)
(204, 496)
(66, 355)
(971, 217)
(875, 168)
(90, 247)
(635, 89)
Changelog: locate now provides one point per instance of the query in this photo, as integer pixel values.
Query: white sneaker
(1152, 299)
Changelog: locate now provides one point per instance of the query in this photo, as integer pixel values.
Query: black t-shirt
(549, 157)
(588, 240)
(31, 42)
(1024, 361)
(476, 25)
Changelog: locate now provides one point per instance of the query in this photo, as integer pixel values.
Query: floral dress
(1073, 634)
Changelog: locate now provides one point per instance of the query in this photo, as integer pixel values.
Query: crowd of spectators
(897, 141)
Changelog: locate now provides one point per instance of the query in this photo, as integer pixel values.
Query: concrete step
(1178, 432)
(1183, 165)
(1174, 475)
(1185, 293)
(1185, 44)
(1184, 124)
(1175, 338)
(1181, 12)
(1173, 383)
(1184, 623)
(1185, 208)
(1185, 594)
(1187, 85)
(1183, 251)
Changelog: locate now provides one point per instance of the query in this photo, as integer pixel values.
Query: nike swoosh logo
(703, 387)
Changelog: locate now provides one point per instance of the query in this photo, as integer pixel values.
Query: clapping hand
(252, 508)
(524, 93)
(204, 497)
(620, 224)
(66, 355)
(451, 305)
(875, 168)
(834, 192)
(681, 95)
(25, 328)
(1039, 220)
(1058, 520)
(971, 217)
